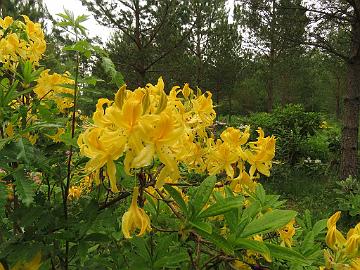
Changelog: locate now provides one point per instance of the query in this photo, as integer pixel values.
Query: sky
(94, 29)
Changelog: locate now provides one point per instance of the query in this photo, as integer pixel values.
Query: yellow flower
(135, 218)
(355, 264)
(102, 149)
(243, 183)
(9, 130)
(187, 91)
(203, 108)
(32, 138)
(50, 87)
(56, 136)
(160, 134)
(6, 22)
(287, 233)
(222, 157)
(352, 245)
(261, 154)
(346, 251)
(334, 238)
(267, 256)
(235, 137)
(239, 265)
(74, 192)
(34, 264)
(15, 47)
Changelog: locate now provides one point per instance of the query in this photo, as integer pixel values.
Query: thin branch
(176, 213)
(157, 29)
(122, 196)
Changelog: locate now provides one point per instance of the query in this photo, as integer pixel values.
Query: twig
(164, 230)
(176, 213)
(122, 196)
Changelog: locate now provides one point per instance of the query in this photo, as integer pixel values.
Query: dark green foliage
(291, 125)
(348, 199)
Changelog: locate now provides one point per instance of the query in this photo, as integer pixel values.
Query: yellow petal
(34, 264)
(125, 224)
(334, 239)
(111, 171)
(120, 96)
(333, 219)
(262, 168)
(127, 161)
(352, 245)
(145, 157)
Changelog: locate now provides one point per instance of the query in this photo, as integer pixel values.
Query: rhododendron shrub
(144, 183)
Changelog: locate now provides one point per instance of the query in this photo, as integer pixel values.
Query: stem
(122, 196)
(198, 254)
(68, 178)
(176, 213)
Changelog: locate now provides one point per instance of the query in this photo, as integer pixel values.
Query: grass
(304, 191)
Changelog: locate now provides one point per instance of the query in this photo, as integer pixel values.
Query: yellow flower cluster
(20, 41)
(84, 186)
(51, 87)
(345, 252)
(147, 123)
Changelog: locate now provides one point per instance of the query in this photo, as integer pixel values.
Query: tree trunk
(270, 83)
(199, 58)
(230, 106)
(285, 91)
(338, 96)
(350, 130)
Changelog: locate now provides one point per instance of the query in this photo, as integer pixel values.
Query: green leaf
(22, 153)
(221, 207)
(97, 237)
(177, 198)
(3, 142)
(81, 18)
(141, 248)
(202, 194)
(171, 260)
(23, 186)
(319, 226)
(286, 254)
(260, 193)
(203, 226)
(89, 80)
(109, 68)
(257, 246)
(270, 221)
(3, 198)
(308, 242)
(218, 240)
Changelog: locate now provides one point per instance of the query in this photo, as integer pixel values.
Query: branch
(161, 24)
(108, 15)
(176, 213)
(170, 50)
(122, 196)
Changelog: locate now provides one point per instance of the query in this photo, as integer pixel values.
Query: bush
(299, 133)
(348, 198)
